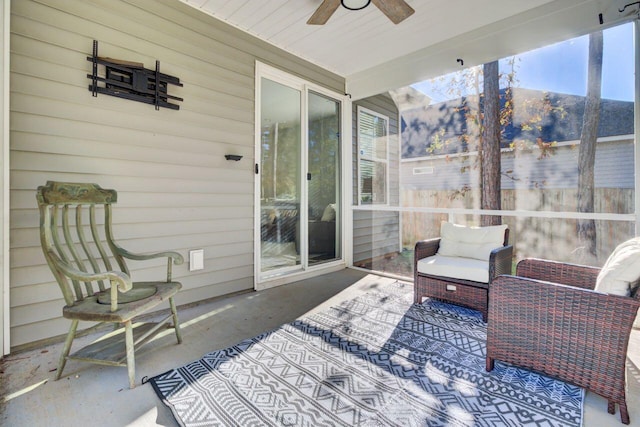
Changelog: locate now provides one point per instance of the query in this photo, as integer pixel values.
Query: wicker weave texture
(443, 289)
(573, 334)
(581, 276)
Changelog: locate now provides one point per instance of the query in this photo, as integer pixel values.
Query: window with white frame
(373, 157)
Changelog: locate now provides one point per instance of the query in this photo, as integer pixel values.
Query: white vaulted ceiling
(365, 46)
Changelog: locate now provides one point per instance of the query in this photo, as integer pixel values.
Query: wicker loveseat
(549, 319)
(458, 266)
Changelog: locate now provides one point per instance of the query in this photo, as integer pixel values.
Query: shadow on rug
(376, 360)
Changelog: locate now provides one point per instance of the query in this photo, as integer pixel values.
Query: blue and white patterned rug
(376, 360)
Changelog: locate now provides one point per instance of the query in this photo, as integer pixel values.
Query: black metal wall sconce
(234, 157)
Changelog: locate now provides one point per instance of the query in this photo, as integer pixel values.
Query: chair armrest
(424, 249)
(574, 334)
(500, 261)
(177, 258)
(120, 282)
(581, 276)
(170, 255)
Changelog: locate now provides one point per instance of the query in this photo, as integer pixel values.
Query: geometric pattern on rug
(375, 360)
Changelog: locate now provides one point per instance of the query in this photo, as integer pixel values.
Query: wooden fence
(531, 237)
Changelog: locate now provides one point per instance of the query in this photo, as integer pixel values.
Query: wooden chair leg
(611, 406)
(176, 323)
(67, 347)
(131, 361)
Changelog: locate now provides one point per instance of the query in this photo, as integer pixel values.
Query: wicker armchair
(548, 319)
(463, 292)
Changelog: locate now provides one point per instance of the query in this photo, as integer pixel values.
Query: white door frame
(636, 32)
(264, 70)
(5, 14)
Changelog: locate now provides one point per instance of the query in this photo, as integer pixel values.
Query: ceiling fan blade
(396, 10)
(323, 12)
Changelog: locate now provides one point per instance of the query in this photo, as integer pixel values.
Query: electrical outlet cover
(196, 259)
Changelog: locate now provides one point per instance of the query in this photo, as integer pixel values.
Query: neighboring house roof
(422, 128)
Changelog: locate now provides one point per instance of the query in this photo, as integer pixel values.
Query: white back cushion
(470, 242)
(621, 269)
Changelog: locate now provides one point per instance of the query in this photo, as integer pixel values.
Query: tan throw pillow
(470, 242)
(329, 213)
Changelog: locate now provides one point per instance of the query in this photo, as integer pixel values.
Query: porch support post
(5, 13)
(636, 29)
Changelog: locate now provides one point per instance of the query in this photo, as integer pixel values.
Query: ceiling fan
(396, 10)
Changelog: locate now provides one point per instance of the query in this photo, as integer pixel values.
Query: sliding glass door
(280, 178)
(299, 176)
(323, 179)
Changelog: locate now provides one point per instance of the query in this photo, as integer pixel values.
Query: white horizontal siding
(375, 234)
(614, 168)
(378, 233)
(175, 189)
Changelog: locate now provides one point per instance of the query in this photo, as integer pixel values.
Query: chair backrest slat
(54, 228)
(85, 245)
(71, 246)
(96, 238)
(110, 240)
(49, 240)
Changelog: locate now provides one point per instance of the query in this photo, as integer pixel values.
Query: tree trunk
(586, 229)
(490, 167)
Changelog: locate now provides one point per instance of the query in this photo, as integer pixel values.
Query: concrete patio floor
(92, 395)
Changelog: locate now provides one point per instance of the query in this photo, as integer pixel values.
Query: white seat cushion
(455, 267)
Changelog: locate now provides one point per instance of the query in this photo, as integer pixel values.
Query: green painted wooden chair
(81, 253)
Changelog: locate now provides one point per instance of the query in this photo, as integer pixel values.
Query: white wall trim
(512, 213)
(347, 181)
(399, 140)
(636, 28)
(256, 178)
(5, 18)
